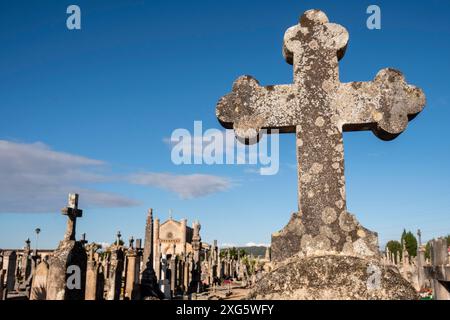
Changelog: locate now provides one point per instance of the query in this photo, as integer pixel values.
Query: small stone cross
(72, 212)
(318, 108)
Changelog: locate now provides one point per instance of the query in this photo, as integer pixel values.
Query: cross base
(350, 239)
(333, 277)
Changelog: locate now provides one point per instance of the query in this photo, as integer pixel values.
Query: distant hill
(256, 251)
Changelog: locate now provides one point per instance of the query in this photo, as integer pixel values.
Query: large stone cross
(72, 212)
(319, 108)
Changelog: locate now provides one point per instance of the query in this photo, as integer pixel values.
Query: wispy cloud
(186, 186)
(36, 179)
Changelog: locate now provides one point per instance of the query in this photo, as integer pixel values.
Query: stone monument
(322, 238)
(70, 253)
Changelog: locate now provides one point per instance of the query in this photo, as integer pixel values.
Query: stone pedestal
(9, 265)
(350, 237)
(132, 276)
(39, 284)
(333, 277)
(2, 280)
(95, 281)
(115, 274)
(441, 272)
(69, 253)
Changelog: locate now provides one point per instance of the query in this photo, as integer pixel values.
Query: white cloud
(253, 244)
(186, 186)
(36, 179)
(248, 244)
(228, 245)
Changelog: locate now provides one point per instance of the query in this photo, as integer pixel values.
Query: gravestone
(9, 265)
(69, 256)
(196, 268)
(2, 280)
(439, 271)
(164, 281)
(132, 272)
(94, 275)
(26, 260)
(116, 268)
(39, 283)
(318, 108)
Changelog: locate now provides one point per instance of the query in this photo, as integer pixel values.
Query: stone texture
(69, 253)
(332, 277)
(9, 265)
(330, 251)
(39, 283)
(2, 279)
(292, 239)
(319, 108)
(115, 273)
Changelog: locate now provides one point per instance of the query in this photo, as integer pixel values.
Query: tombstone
(2, 280)
(187, 273)
(439, 272)
(164, 282)
(94, 275)
(318, 108)
(173, 274)
(180, 273)
(420, 266)
(26, 261)
(9, 265)
(196, 268)
(69, 261)
(267, 254)
(116, 268)
(132, 273)
(39, 283)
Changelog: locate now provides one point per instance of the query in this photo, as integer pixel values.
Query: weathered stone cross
(318, 108)
(72, 212)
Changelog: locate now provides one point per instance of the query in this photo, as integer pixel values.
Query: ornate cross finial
(131, 242)
(119, 235)
(83, 239)
(72, 212)
(319, 108)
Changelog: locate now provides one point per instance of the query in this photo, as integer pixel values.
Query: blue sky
(83, 110)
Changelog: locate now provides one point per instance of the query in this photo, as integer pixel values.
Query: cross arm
(384, 105)
(71, 212)
(251, 107)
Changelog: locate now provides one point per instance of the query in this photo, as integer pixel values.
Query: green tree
(395, 248)
(233, 252)
(410, 242)
(448, 240)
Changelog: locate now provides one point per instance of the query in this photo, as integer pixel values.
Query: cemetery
(322, 253)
